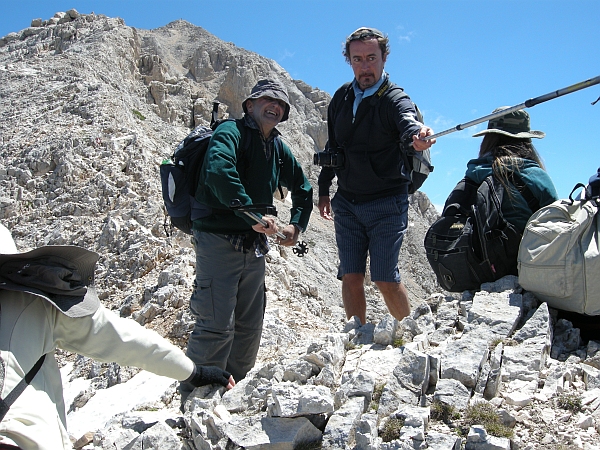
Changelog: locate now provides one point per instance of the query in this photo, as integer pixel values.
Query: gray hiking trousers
(228, 303)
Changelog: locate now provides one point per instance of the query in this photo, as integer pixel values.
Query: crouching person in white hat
(48, 301)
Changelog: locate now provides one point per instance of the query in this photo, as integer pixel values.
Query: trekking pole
(527, 104)
(301, 247)
(264, 223)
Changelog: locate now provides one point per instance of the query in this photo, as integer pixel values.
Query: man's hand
(325, 207)
(291, 233)
(418, 143)
(204, 375)
(270, 229)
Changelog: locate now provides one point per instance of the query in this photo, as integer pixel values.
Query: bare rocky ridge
(89, 109)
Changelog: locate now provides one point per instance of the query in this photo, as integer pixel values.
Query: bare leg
(353, 295)
(395, 297)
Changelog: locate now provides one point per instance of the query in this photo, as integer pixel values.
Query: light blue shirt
(359, 94)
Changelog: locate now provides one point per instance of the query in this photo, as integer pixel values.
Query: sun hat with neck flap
(60, 274)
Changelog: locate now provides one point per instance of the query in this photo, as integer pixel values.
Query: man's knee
(353, 278)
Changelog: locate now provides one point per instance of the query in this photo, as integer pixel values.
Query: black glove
(204, 375)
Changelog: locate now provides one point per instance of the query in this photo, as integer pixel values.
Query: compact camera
(329, 159)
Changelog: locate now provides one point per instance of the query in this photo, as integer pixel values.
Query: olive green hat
(515, 124)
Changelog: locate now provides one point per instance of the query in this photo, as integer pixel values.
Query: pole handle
(264, 223)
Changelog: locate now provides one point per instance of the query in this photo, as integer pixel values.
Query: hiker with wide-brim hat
(507, 148)
(47, 301)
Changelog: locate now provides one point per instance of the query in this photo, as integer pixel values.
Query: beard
(366, 80)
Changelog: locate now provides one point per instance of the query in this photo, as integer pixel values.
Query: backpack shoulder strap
(495, 190)
(516, 180)
(394, 92)
(341, 93)
(278, 144)
(246, 137)
(6, 402)
(461, 198)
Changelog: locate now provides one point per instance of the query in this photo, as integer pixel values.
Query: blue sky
(457, 59)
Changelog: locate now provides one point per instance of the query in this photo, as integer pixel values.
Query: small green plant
(147, 408)
(377, 391)
(571, 402)
(495, 342)
(391, 429)
(508, 342)
(485, 414)
(138, 114)
(398, 342)
(350, 345)
(499, 429)
(443, 412)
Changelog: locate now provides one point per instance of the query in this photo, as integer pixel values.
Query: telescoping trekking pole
(301, 247)
(527, 104)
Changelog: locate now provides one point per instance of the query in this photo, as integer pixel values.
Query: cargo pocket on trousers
(202, 305)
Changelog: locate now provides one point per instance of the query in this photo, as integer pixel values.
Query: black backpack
(179, 175)
(472, 243)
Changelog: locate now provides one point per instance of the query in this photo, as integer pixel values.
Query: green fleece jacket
(251, 179)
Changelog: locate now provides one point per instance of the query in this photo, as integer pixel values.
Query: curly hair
(364, 34)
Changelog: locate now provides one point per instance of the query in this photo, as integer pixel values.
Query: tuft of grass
(508, 342)
(377, 391)
(495, 342)
(399, 342)
(442, 411)
(147, 408)
(350, 345)
(571, 402)
(138, 114)
(485, 414)
(391, 429)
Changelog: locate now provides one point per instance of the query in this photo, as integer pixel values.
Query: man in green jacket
(228, 300)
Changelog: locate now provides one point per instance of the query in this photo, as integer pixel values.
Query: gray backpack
(559, 255)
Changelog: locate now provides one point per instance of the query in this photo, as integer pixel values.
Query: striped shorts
(376, 228)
